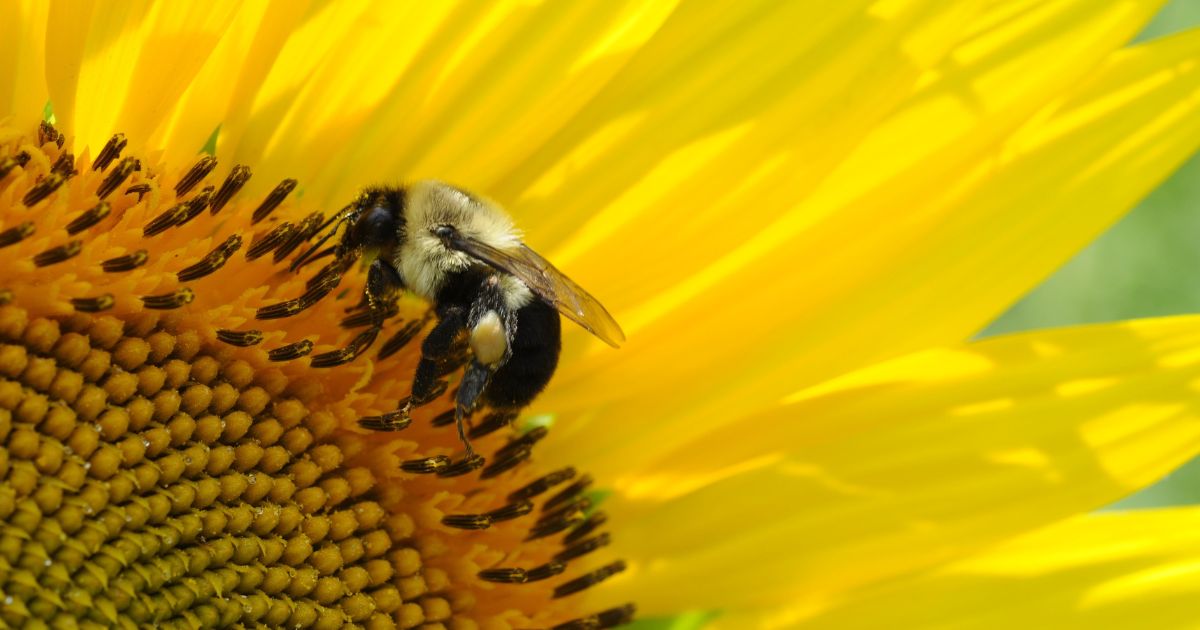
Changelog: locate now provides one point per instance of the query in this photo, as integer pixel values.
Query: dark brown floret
(58, 254)
(128, 262)
(195, 175)
(240, 338)
(118, 175)
(230, 187)
(89, 218)
(273, 200)
(174, 299)
(94, 304)
(291, 351)
(212, 261)
(274, 238)
(589, 580)
(16, 234)
(111, 151)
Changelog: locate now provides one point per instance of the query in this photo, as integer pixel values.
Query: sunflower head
(180, 412)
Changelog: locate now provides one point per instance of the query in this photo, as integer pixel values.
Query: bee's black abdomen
(535, 350)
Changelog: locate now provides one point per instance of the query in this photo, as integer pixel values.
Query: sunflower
(800, 212)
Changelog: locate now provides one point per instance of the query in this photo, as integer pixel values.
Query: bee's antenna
(340, 218)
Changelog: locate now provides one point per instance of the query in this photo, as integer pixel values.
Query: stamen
(212, 261)
(128, 262)
(439, 388)
(273, 200)
(9, 163)
(592, 523)
(583, 548)
(347, 354)
(291, 351)
(233, 183)
(196, 205)
(506, 575)
(425, 465)
(119, 174)
(545, 571)
(95, 304)
(568, 493)
(504, 463)
(89, 218)
(589, 580)
(391, 421)
(42, 189)
(467, 521)
(47, 133)
(240, 338)
(292, 307)
(402, 338)
(533, 436)
(511, 511)
(111, 151)
(306, 230)
(542, 484)
(140, 189)
(171, 300)
(610, 618)
(552, 527)
(580, 506)
(58, 254)
(195, 175)
(64, 165)
(463, 466)
(491, 423)
(269, 242)
(16, 234)
(162, 222)
(444, 419)
(366, 318)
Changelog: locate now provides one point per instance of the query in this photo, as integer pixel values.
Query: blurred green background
(1146, 265)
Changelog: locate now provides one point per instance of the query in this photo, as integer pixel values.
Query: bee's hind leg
(475, 380)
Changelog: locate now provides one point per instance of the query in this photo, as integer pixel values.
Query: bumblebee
(463, 255)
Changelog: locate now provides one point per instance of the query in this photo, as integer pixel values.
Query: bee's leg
(383, 281)
(436, 346)
(491, 325)
(475, 380)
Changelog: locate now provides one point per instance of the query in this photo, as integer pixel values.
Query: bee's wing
(548, 283)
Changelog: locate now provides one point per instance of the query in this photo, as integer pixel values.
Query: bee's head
(439, 210)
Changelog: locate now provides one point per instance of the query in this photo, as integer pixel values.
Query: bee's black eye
(444, 231)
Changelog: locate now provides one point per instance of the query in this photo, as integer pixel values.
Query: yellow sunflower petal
(123, 65)
(22, 87)
(1116, 570)
(911, 463)
(877, 279)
